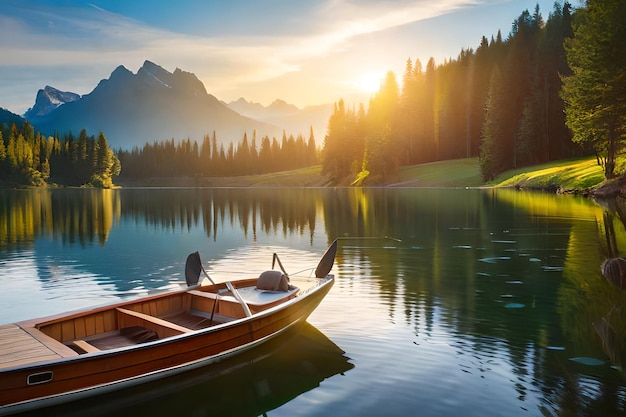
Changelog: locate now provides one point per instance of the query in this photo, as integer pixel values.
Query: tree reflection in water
(511, 280)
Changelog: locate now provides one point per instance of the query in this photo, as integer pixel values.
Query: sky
(306, 52)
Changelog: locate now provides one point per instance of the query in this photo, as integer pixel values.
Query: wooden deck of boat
(23, 344)
(18, 347)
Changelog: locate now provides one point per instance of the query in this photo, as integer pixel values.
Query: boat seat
(273, 281)
(85, 346)
(164, 328)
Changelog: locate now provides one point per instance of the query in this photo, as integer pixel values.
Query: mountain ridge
(150, 105)
(154, 104)
(48, 99)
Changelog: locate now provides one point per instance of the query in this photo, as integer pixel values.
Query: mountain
(293, 119)
(153, 104)
(48, 99)
(7, 118)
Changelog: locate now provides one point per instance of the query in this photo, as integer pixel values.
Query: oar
(193, 267)
(275, 259)
(328, 259)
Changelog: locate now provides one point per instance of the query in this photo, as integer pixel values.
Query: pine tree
(337, 156)
(595, 93)
(312, 148)
(3, 153)
(491, 148)
(11, 156)
(106, 165)
(265, 155)
(205, 156)
(429, 120)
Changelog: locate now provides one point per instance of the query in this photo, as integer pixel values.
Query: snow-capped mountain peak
(48, 99)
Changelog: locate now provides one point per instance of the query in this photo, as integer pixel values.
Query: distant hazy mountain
(153, 104)
(49, 99)
(293, 119)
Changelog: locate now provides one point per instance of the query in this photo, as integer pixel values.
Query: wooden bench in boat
(85, 346)
(228, 308)
(164, 328)
(204, 294)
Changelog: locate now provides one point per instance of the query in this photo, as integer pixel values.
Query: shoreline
(580, 176)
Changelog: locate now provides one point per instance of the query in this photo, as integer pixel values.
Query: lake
(448, 302)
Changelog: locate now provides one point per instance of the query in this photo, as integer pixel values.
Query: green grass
(453, 173)
(575, 174)
(578, 174)
(302, 177)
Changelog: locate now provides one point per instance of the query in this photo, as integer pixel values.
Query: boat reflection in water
(249, 384)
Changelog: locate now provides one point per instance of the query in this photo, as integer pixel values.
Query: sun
(369, 82)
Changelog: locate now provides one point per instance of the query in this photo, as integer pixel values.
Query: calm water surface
(447, 302)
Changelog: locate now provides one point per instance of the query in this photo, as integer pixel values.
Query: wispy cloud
(90, 37)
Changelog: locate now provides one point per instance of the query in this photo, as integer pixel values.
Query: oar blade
(327, 261)
(193, 267)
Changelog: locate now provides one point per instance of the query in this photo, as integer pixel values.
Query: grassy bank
(454, 173)
(303, 177)
(575, 174)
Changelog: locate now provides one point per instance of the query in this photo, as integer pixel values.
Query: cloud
(97, 34)
(96, 39)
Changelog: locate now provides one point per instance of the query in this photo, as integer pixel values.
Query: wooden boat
(252, 383)
(70, 356)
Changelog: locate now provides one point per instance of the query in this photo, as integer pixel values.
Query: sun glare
(369, 82)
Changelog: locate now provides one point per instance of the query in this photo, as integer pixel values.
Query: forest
(500, 102)
(29, 158)
(187, 158)
(531, 98)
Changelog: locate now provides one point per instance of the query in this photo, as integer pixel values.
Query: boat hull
(54, 381)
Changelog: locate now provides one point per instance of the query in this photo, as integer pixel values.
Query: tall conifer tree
(595, 93)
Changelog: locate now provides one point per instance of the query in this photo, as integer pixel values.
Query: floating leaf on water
(587, 361)
(555, 347)
(494, 259)
(514, 305)
(552, 268)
